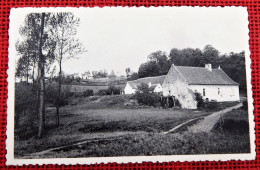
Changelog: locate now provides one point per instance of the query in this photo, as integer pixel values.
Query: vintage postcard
(120, 84)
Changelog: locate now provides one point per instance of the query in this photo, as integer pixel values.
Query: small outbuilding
(154, 84)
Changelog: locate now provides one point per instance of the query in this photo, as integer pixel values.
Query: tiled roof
(203, 76)
(153, 80)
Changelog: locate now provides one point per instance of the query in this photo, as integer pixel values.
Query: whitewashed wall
(128, 89)
(227, 92)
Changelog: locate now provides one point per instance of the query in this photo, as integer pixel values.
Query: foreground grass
(132, 132)
(158, 144)
(80, 124)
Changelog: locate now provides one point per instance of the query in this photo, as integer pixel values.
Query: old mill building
(182, 82)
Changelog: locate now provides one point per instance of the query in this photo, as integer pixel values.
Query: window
(218, 91)
(204, 92)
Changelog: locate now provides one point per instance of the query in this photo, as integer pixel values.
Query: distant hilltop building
(86, 75)
(182, 82)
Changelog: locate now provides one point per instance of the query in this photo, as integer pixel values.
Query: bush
(199, 99)
(112, 90)
(212, 105)
(25, 105)
(232, 126)
(87, 93)
(102, 92)
(51, 93)
(149, 99)
(144, 88)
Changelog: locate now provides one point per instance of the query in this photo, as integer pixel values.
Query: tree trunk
(42, 83)
(33, 74)
(59, 88)
(27, 71)
(173, 99)
(58, 115)
(59, 94)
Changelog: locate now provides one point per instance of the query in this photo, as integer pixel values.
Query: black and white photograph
(120, 84)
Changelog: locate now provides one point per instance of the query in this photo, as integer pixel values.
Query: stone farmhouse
(182, 82)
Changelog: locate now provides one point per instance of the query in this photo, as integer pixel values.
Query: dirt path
(180, 125)
(206, 124)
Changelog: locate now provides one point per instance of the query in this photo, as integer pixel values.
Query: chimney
(208, 66)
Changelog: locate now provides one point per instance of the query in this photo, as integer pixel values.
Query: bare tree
(64, 29)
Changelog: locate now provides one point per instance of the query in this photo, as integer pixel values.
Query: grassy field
(81, 88)
(111, 130)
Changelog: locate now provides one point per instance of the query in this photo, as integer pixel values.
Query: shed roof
(203, 76)
(153, 80)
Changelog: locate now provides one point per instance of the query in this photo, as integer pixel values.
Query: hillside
(104, 81)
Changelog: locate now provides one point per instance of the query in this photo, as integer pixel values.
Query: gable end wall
(171, 78)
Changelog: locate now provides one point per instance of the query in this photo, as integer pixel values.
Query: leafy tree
(143, 88)
(99, 74)
(158, 64)
(175, 56)
(29, 47)
(37, 49)
(133, 76)
(150, 68)
(210, 55)
(23, 68)
(128, 72)
(161, 59)
(234, 66)
(64, 28)
(112, 75)
(186, 57)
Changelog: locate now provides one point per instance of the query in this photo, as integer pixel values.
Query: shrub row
(155, 100)
(149, 99)
(109, 91)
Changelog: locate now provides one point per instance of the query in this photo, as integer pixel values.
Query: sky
(120, 37)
